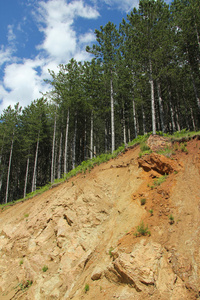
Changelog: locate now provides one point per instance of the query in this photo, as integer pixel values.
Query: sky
(37, 35)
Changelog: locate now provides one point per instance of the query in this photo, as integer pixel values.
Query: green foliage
(21, 262)
(86, 288)
(183, 147)
(142, 230)
(110, 251)
(160, 180)
(144, 147)
(26, 215)
(143, 201)
(45, 268)
(25, 286)
(168, 152)
(151, 212)
(171, 219)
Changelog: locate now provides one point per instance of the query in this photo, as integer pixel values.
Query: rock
(157, 142)
(158, 163)
(145, 267)
(97, 273)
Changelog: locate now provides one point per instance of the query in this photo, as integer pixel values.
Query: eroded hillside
(81, 235)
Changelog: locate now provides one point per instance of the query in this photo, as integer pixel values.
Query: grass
(86, 288)
(110, 251)
(45, 268)
(21, 262)
(171, 219)
(160, 180)
(89, 164)
(143, 201)
(142, 230)
(25, 286)
(151, 212)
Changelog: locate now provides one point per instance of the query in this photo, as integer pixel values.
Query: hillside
(76, 241)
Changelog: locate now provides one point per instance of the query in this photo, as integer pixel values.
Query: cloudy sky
(37, 35)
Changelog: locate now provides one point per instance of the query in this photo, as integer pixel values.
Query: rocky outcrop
(158, 163)
(147, 269)
(157, 142)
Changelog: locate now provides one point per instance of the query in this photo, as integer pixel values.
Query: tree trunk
(124, 127)
(66, 143)
(35, 165)
(53, 150)
(177, 120)
(171, 109)
(9, 166)
(106, 138)
(91, 135)
(144, 121)
(74, 144)
(160, 101)
(134, 117)
(112, 116)
(59, 157)
(192, 117)
(195, 90)
(26, 176)
(153, 113)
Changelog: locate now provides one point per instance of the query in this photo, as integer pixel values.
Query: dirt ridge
(83, 232)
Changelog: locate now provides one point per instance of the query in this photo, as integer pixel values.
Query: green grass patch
(143, 201)
(87, 166)
(160, 180)
(86, 288)
(142, 230)
(45, 268)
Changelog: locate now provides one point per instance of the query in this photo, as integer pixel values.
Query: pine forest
(144, 76)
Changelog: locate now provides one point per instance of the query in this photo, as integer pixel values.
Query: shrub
(21, 262)
(151, 212)
(142, 230)
(45, 268)
(171, 219)
(110, 251)
(160, 180)
(86, 288)
(143, 201)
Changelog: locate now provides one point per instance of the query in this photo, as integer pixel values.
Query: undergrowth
(87, 166)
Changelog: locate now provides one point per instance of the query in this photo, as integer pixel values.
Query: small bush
(143, 201)
(171, 219)
(45, 268)
(160, 180)
(151, 212)
(110, 251)
(144, 147)
(142, 230)
(86, 288)
(21, 262)
(183, 147)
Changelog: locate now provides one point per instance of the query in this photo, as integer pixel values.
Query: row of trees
(144, 76)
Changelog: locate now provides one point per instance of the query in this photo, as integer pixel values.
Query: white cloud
(5, 54)
(125, 5)
(55, 18)
(22, 83)
(11, 36)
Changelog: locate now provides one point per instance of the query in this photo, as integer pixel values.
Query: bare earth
(83, 231)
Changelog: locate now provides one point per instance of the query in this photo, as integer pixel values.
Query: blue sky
(37, 35)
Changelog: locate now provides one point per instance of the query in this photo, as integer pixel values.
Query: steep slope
(83, 231)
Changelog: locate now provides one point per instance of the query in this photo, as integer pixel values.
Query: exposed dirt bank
(83, 231)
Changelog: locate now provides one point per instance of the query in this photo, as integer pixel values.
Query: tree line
(143, 77)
